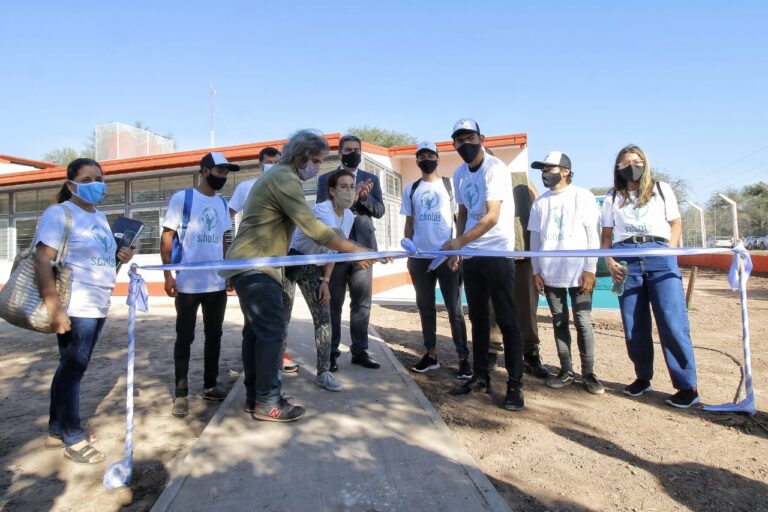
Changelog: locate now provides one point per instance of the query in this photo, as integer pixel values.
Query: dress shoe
(363, 359)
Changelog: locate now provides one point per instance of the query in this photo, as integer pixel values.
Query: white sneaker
(326, 380)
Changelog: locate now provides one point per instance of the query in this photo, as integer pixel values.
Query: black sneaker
(473, 385)
(465, 370)
(282, 412)
(532, 365)
(562, 379)
(593, 385)
(514, 399)
(684, 398)
(425, 364)
(638, 387)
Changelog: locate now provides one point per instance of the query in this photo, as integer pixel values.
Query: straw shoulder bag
(20, 300)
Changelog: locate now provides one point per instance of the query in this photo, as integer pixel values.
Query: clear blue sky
(685, 80)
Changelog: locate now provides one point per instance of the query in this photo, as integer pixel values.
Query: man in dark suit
(368, 204)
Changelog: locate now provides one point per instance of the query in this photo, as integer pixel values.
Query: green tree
(381, 137)
(61, 156)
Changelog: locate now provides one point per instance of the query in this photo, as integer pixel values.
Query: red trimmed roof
(8, 159)
(243, 152)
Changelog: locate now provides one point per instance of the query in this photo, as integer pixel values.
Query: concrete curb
(484, 486)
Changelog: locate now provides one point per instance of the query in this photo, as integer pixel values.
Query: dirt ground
(567, 450)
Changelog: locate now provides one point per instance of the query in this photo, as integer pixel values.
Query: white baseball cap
(553, 158)
(465, 124)
(426, 145)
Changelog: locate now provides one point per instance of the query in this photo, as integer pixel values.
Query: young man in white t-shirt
(486, 221)
(203, 240)
(429, 210)
(566, 217)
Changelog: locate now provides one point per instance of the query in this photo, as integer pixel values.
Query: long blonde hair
(644, 186)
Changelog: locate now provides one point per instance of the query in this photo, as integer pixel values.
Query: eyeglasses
(624, 165)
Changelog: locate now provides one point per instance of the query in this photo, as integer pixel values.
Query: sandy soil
(569, 450)
(566, 451)
(32, 478)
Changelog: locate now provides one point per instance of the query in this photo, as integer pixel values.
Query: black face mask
(215, 182)
(551, 178)
(427, 166)
(632, 172)
(469, 152)
(351, 160)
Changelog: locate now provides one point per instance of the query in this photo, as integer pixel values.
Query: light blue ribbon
(118, 474)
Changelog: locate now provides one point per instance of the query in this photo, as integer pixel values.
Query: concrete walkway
(378, 445)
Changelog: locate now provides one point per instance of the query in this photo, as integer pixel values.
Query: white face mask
(266, 167)
(344, 198)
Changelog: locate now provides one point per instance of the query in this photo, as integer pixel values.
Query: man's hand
(363, 189)
(324, 293)
(587, 282)
(454, 263)
(170, 286)
(454, 244)
(538, 282)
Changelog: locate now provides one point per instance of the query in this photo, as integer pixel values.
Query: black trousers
(424, 281)
(492, 278)
(214, 306)
(360, 282)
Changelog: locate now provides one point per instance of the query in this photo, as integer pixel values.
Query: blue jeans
(655, 282)
(261, 300)
(75, 349)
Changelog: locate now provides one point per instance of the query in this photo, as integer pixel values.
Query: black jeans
(360, 281)
(214, 306)
(261, 300)
(424, 281)
(492, 278)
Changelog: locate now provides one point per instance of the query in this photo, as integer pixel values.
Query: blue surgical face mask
(91, 193)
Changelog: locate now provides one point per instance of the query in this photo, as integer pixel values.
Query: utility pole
(213, 100)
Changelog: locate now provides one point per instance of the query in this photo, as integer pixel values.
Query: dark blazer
(363, 231)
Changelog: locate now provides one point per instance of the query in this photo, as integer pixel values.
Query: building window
(115, 194)
(153, 190)
(5, 204)
(149, 241)
(4, 241)
(28, 201)
(25, 233)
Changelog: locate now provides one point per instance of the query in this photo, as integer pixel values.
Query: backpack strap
(663, 200)
(413, 191)
(188, 195)
(449, 188)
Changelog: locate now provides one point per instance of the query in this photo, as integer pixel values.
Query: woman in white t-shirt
(92, 254)
(313, 279)
(641, 212)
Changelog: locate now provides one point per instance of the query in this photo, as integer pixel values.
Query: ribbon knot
(741, 256)
(138, 295)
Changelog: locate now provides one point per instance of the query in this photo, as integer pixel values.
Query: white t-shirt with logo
(432, 213)
(649, 220)
(565, 219)
(491, 182)
(204, 239)
(327, 215)
(91, 254)
(237, 202)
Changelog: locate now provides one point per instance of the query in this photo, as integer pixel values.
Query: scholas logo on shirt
(106, 242)
(636, 214)
(471, 195)
(210, 220)
(430, 200)
(558, 220)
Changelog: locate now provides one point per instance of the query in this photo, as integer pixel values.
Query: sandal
(85, 455)
(56, 442)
